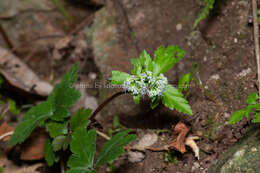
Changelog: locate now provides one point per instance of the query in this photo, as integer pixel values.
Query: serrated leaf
(184, 82)
(256, 118)
(83, 147)
(118, 77)
(248, 110)
(173, 98)
(256, 106)
(237, 116)
(58, 142)
(251, 99)
(64, 95)
(146, 61)
(56, 129)
(33, 117)
(80, 119)
(137, 69)
(136, 99)
(205, 12)
(165, 59)
(114, 147)
(50, 156)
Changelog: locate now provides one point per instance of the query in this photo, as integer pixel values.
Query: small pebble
(235, 40)
(179, 27)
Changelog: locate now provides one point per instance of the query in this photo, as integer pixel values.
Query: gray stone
(243, 157)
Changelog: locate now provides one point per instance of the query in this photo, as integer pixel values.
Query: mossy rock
(242, 157)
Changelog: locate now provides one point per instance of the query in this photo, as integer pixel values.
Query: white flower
(146, 84)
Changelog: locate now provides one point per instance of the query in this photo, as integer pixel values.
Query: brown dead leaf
(190, 141)
(61, 45)
(5, 128)
(32, 149)
(11, 167)
(20, 75)
(179, 143)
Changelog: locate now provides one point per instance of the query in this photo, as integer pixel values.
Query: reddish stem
(109, 99)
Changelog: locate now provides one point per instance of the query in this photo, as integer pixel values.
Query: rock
(109, 55)
(195, 166)
(179, 27)
(134, 156)
(15, 7)
(242, 157)
(146, 141)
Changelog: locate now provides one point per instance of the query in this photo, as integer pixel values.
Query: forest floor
(222, 46)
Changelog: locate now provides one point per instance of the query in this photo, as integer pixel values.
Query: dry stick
(100, 107)
(6, 134)
(85, 22)
(256, 34)
(103, 135)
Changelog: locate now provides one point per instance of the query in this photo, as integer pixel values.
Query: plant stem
(256, 34)
(109, 99)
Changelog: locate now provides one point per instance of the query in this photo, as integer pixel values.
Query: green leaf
(33, 117)
(137, 99)
(58, 142)
(237, 116)
(205, 12)
(118, 77)
(64, 95)
(1, 79)
(146, 61)
(56, 129)
(248, 110)
(13, 108)
(83, 147)
(80, 119)
(114, 147)
(184, 82)
(116, 123)
(155, 102)
(137, 66)
(256, 118)
(251, 99)
(173, 98)
(256, 106)
(165, 59)
(50, 156)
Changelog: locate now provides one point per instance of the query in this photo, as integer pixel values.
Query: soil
(224, 49)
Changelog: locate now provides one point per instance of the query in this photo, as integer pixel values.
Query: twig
(6, 134)
(100, 107)
(142, 149)
(6, 38)
(103, 135)
(256, 34)
(85, 22)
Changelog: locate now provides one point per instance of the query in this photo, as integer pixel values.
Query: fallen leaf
(20, 75)
(61, 45)
(179, 143)
(11, 167)
(32, 149)
(190, 141)
(5, 128)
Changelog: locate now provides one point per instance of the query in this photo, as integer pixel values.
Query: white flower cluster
(146, 83)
